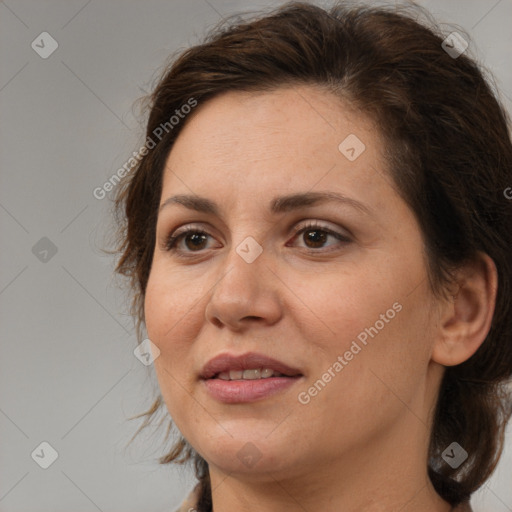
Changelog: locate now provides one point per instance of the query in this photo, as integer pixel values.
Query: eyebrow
(278, 205)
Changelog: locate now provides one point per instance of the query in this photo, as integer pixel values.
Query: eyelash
(172, 240)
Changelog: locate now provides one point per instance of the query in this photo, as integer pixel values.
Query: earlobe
(466, 320)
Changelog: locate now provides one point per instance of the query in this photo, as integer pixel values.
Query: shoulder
(190, 502)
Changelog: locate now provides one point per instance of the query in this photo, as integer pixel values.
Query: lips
(251, 360)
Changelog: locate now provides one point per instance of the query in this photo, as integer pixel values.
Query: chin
(248, 454)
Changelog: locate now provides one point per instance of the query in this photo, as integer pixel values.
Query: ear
(466, 320)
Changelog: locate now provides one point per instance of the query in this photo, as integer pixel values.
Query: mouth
(247, 378)
(251, 374)
(237, 391)
(248, 366)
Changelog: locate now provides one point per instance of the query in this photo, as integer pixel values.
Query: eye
(195, 239)
(316, 235)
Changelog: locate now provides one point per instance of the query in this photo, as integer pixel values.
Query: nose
(244, 294)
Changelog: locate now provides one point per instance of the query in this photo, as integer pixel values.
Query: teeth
(252, 374)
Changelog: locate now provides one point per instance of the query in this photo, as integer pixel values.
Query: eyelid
(324, 225)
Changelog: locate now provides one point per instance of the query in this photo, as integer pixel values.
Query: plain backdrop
(68, 374)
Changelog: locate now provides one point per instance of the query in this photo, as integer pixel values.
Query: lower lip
(244, 391)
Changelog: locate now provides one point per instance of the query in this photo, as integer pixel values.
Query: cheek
(343, 306)
(388, 374)
(379, 328)
(169, 303)
(156, 303)
(375, 382)
(167, 313)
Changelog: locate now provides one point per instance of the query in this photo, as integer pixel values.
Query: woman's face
(351, 314)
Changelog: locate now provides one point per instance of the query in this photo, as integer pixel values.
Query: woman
(319, 244)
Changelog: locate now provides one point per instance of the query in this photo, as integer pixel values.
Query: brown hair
(449, 153)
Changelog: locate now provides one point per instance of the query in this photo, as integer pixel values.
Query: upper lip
(247, 361)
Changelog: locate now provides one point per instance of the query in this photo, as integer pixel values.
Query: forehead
(241, 149)
(294, 129)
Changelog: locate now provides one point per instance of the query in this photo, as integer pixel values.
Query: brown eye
(194, 240)
(315, 236)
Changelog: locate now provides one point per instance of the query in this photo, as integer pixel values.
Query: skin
(360, 443)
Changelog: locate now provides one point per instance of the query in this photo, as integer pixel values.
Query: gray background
(68, 375)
